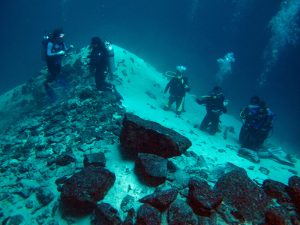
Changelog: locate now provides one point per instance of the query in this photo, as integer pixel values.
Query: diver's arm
(202, 100)
(67, 49)
(186, 84)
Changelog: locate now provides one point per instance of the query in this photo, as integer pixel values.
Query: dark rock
(152, 169)
(202, 198)
(275, 216)
(129, 220)
(140, 135)
(25, 167)
(127, 203)
(277, 190)
(294, 191)
(13, 220)
(172, 168)
(161, 199)
(44, 196)
(180, 213)
(95, 159)
(44, 155)
(86, 94)
(230, 215)
(295, 220)
(25, 192)
(63, 159)
(105, 214)
(180, 179)
(148, 215)
(29, 204)
(202, 220)
(61, 180)
(7, 148)
(238, 190)
(83, 190)
(264, 170)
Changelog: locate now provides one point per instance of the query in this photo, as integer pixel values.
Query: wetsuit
(98, 64)
(177, 88)
(53, 59)
(214, 109)
(258, 122)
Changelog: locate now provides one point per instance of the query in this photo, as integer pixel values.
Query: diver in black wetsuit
(98, 62)
(215, 106)
(177, 87)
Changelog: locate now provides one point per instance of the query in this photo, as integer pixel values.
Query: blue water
(166, 33)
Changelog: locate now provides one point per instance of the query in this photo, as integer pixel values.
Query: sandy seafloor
(142, 90)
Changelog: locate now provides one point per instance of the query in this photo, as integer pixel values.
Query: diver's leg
(53, 71)
(205, 122)
(242, 135)
(170, 102)
(179, 105)
(99, 78)
(214, 124)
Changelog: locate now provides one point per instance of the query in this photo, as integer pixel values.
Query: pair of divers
(100, 59)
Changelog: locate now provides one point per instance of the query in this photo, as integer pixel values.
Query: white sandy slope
(141, 86)
(145, 79)
(142, 89)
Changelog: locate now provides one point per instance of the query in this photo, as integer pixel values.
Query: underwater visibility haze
(249, 47)
(156, 127)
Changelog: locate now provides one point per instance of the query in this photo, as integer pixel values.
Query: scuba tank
(110, 57)
(45, 41)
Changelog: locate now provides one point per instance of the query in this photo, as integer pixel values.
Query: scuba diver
(215, 106)
(99, 62)
(55, 49)
(177, 87)
(257, 123)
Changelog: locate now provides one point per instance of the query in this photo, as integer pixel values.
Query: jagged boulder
(276, 216)
(238, 190)
(44, 195)
(294, 191)
(181, 213)
(160, 199)
(14, 220)
(148, 215)
(129, 220)
(202, 198)
(151, 169)
(83, 190)
(139, 135)
(105, 214)
(277, 190)
(127, 203)
(94, 159)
